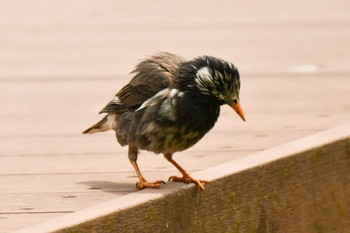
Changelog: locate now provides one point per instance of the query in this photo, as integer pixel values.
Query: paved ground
(61, 63)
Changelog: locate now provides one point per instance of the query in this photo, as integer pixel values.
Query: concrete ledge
(302, 186)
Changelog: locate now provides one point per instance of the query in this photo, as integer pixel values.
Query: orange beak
(239, 110)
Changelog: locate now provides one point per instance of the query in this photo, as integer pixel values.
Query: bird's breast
(166, 135)
(172, 139)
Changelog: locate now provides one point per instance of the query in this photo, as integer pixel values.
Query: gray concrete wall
(304, 192)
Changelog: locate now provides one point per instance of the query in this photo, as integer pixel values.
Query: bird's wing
(151, 76)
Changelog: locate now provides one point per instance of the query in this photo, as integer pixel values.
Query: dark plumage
(169, 105)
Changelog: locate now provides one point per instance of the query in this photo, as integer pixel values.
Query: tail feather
(101, 126)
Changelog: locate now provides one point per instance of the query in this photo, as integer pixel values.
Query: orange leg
(142, 183)
(186, 178)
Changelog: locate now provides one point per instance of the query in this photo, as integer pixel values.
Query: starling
(168, 106)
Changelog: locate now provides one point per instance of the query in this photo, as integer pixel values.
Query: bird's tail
(101, 126)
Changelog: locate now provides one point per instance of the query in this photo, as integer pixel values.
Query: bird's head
(215, 78)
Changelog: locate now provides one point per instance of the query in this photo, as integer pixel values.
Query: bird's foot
(144, 184)
(189, 179)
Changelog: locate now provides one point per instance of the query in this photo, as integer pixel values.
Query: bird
(168, 106)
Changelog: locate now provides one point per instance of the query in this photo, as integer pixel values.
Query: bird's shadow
(110, 187)
(125, 188)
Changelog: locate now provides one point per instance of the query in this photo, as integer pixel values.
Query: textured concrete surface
(61, 62)
(304, 192)
(300, 186)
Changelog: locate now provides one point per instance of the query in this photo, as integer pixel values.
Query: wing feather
(151, 76)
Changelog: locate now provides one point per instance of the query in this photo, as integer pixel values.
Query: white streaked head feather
(204, 79)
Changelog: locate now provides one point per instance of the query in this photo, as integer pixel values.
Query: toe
(180, 179)
(200, 183)
(189, 179)
(144, 184)
(200, 186)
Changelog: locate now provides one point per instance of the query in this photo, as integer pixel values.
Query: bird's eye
(235, 101)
